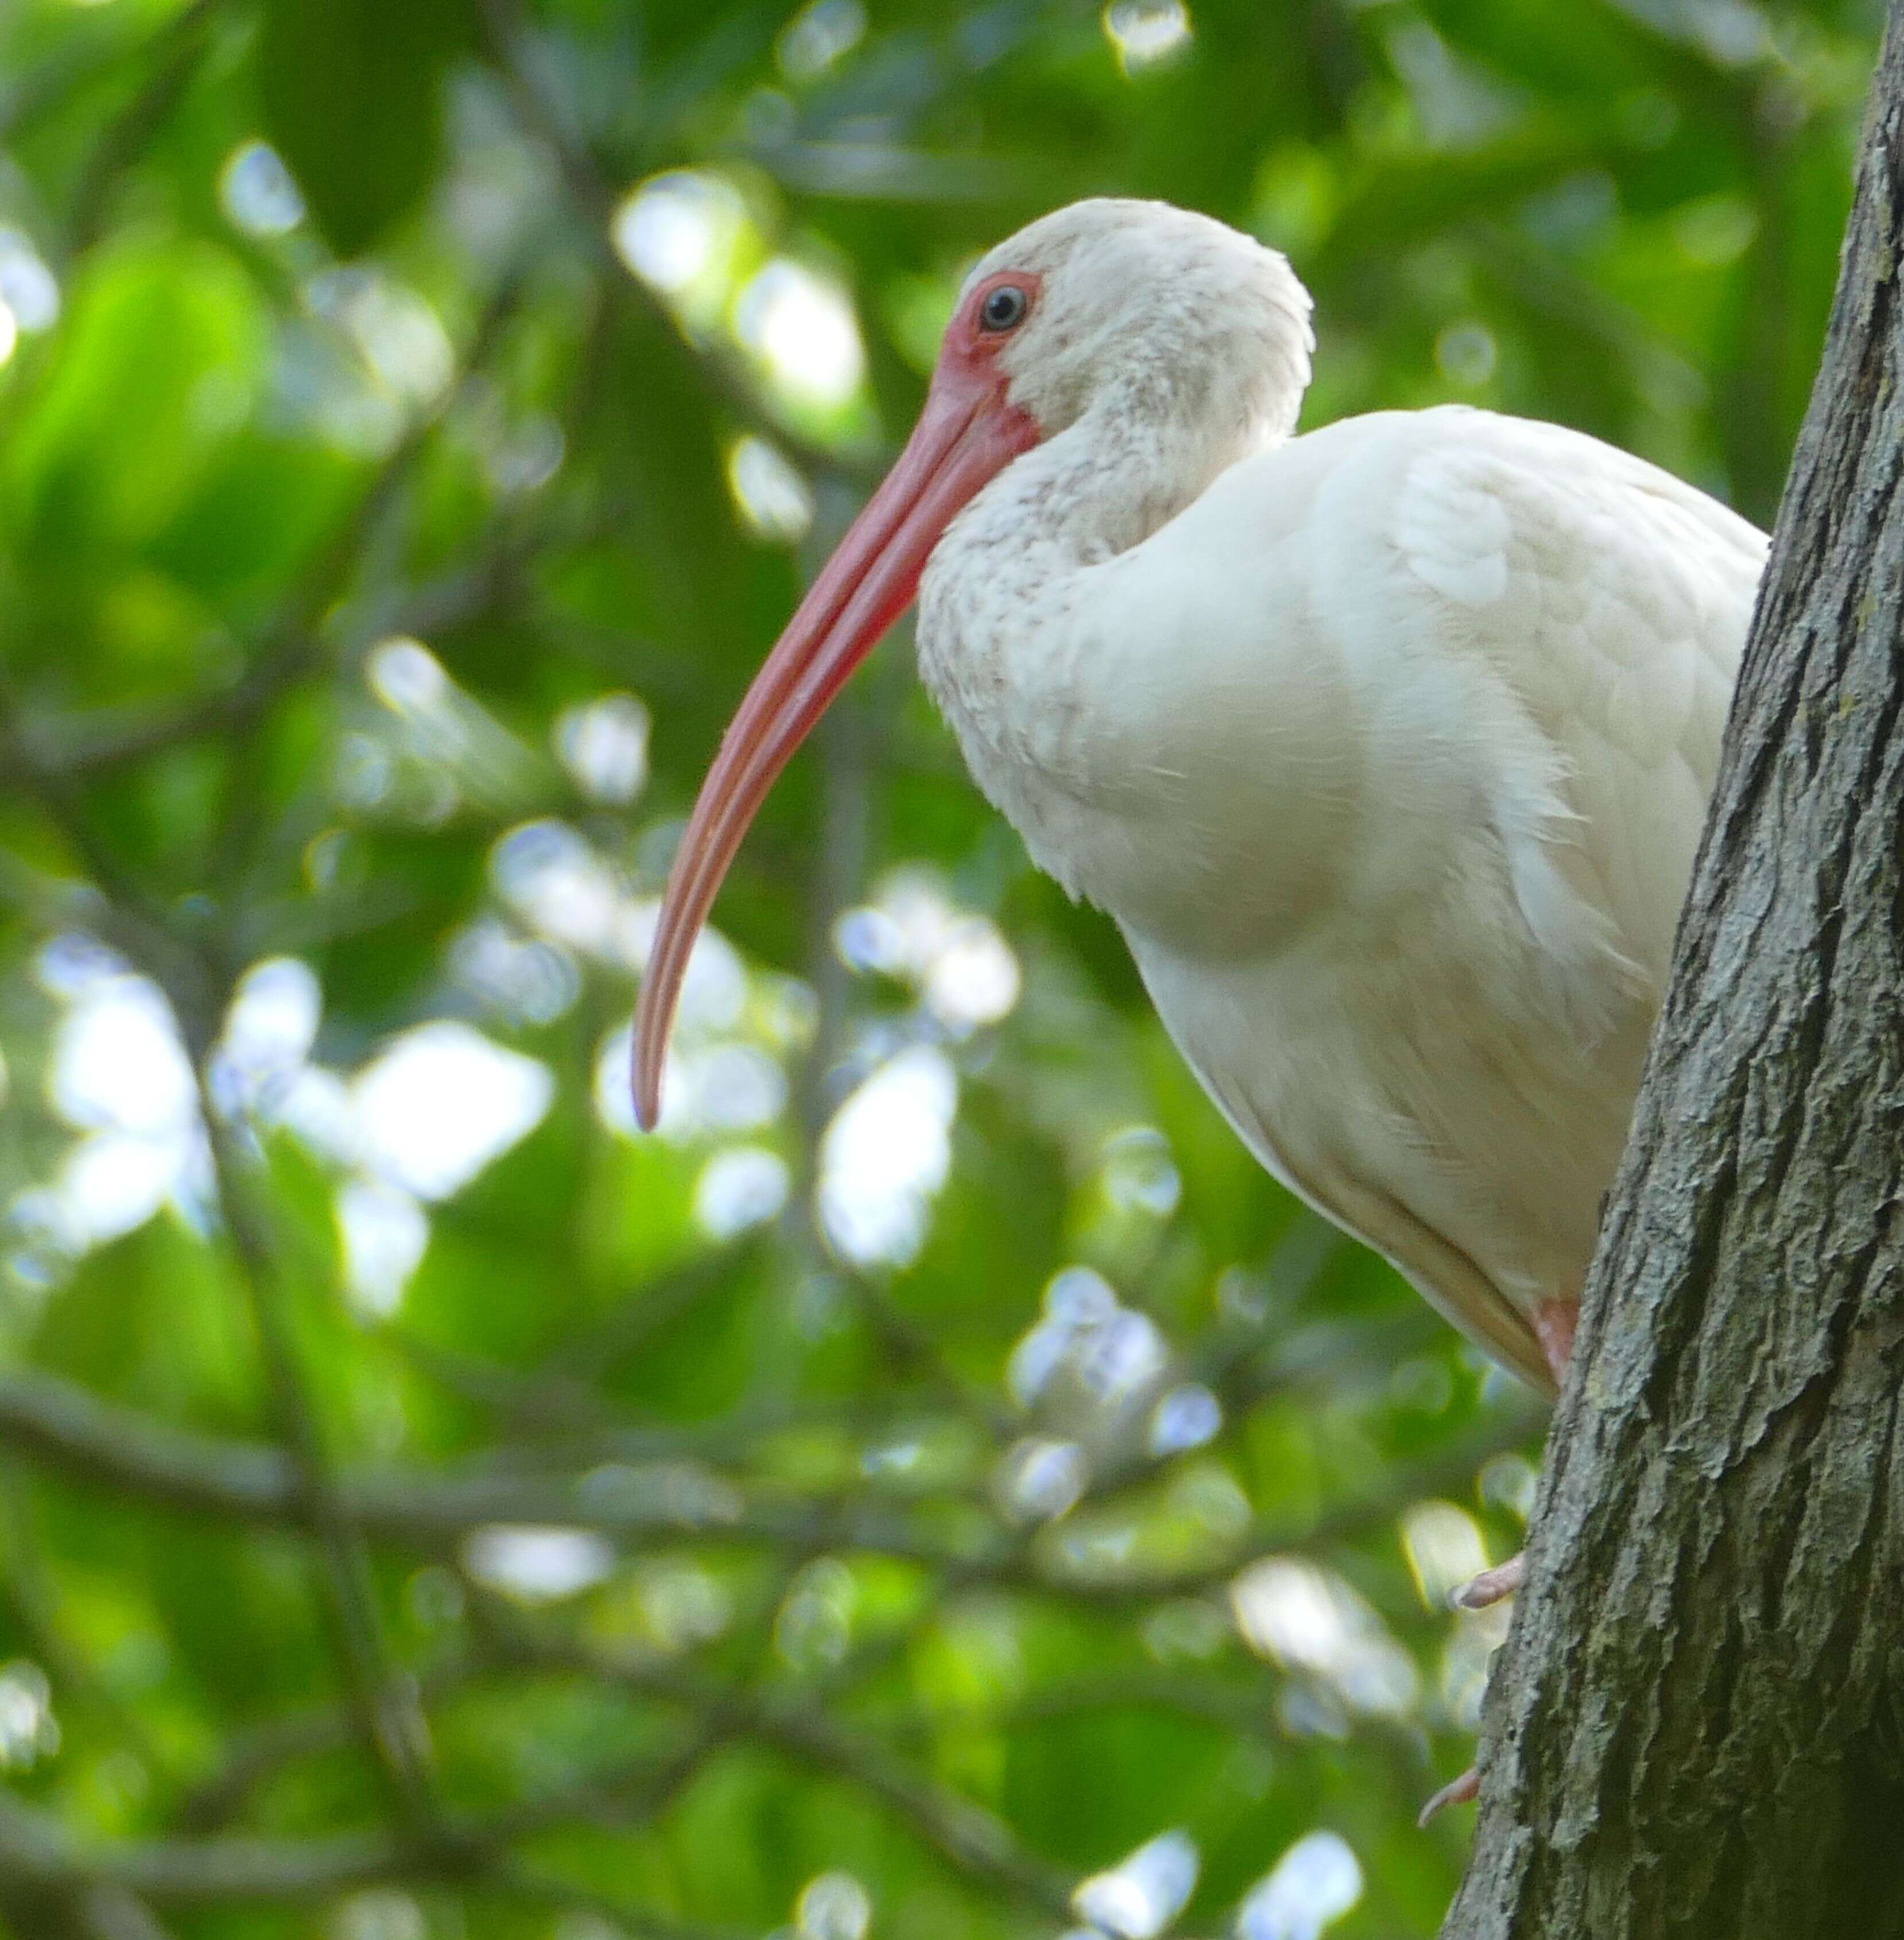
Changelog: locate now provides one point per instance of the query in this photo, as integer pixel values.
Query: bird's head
(1132, 306)
(1138, 307)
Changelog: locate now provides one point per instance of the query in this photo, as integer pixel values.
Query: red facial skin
(967, 434)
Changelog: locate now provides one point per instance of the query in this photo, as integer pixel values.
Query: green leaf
(159, 363)
(353, 102)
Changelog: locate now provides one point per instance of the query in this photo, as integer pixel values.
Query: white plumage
(1387, 745)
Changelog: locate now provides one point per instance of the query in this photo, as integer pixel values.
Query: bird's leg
(1554, 1322)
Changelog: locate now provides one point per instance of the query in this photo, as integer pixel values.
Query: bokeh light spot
(441, 1102)
(1146, 31)
(256, 193)
(1312, 1884)
(1139, 1897)
(801, 327)
(773, 499)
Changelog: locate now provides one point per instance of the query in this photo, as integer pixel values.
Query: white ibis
(1387, 746)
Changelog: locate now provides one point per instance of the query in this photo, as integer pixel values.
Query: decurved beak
(965, 436)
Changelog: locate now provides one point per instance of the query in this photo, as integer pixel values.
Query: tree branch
(57, 1422)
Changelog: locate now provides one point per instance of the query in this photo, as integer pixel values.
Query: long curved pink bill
(959, 444)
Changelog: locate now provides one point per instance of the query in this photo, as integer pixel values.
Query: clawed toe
(1467, 1786)
(1491, 1586)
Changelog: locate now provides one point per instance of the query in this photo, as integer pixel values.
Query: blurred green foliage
(939, 1464)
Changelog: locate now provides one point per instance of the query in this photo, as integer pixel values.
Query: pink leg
(1553, 1323)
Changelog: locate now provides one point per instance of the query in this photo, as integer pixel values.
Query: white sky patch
(834, 1906)
(1307, 1619)
(118, 1073)
(675, 231)
(525, 458)
(406, 676)
(1140, 1895)
(1114, 1353)
(315, 1105)
(269, 1032)
(539, 1565)
(274, 1015)
(1187, 1417)
(385, 1235)
(29, 1731)
(1139, 1174)
(603, 744)
(1040, 1479)
(820, 34)
(28, 287)
(686, 233)
(801, 326)
(1146, 31)
(707, 1090)
(974, 980)
(67, 966)
(685, 1606)
(447, 746)
(523, 979)
(110, 1183)
(399, 336)
(774, 502)
(1443, 1545)
(962, 967)
(1312, 1884)
(256, 193)
(417, 1124)
(117, 1061)
(383, 1913)
(885, 1156)
(743, 1187)
(551, 877)
(441, 1102)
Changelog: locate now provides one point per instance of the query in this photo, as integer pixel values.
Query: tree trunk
(1695, 1725)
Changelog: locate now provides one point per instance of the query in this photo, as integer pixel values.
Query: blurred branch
(174, 54)
(385, 1695)
(253, 1755)
(127, 916)
(57, 1422)
(971, 1838)
(37, 1856)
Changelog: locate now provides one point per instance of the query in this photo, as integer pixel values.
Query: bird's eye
(1004, 309)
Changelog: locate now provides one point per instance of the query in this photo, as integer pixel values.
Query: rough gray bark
(1695, 1727)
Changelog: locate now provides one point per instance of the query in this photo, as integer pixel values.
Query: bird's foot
(1467, 1786)
(1553, 1324)
(1492, 1586)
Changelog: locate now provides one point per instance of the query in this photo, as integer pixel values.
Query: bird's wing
(1612, 600)
(1539, 636)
